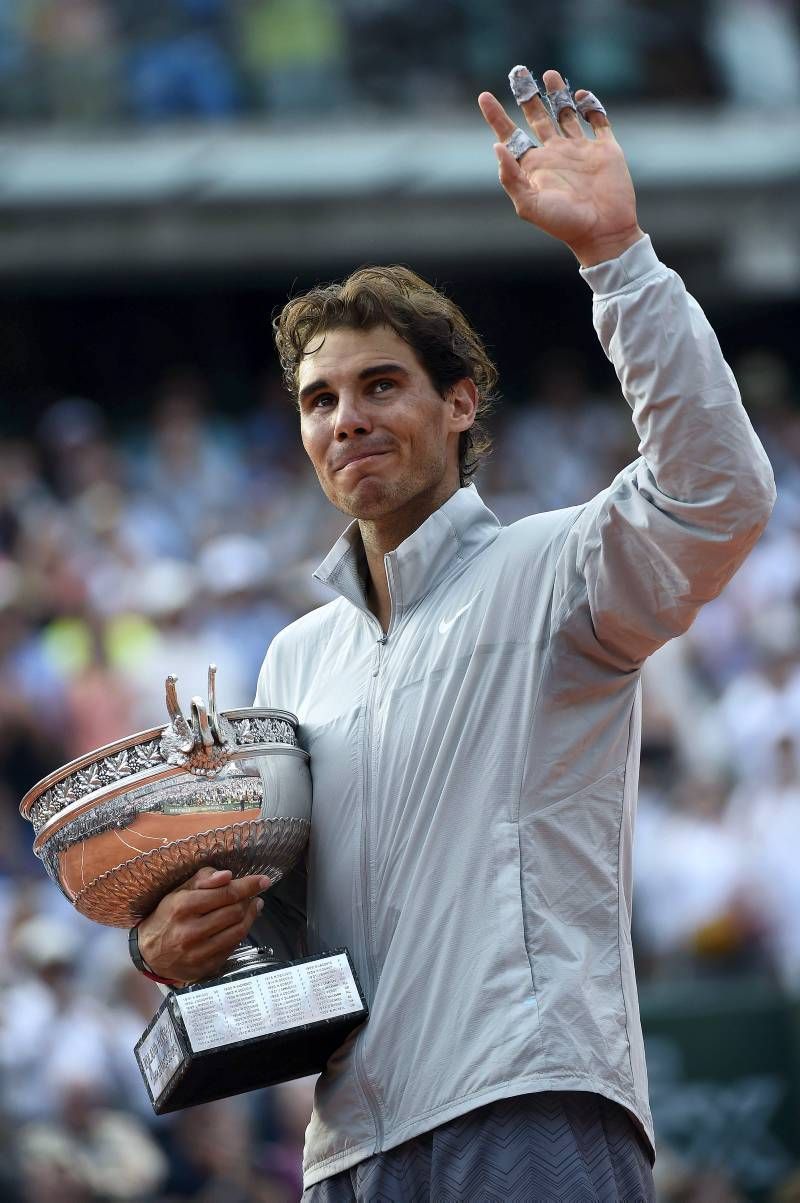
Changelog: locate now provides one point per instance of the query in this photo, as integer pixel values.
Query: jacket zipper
(370, 755)
(368, 761)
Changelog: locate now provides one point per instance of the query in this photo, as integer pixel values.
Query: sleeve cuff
(615, 275)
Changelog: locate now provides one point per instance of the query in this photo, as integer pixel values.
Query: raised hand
(575, 187)
(195, 927)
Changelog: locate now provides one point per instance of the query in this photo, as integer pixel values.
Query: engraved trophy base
(254, 1026)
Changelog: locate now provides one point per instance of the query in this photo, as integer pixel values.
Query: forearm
(706, 462)
(675, 525)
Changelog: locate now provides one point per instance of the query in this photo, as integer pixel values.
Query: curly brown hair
(433, 326)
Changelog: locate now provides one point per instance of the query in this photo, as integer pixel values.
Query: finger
(203, 901)
(496, 116)
(528, 96)
(208, 878)
(593, 112)
(228, 916)
(562, 104)
(515, 181)
(212, 948)
(503, 126)
(219, 947)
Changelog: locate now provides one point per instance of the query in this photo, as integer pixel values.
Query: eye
(322, 401)
(381, 386)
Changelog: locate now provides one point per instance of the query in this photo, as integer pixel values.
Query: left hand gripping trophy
(120, 827)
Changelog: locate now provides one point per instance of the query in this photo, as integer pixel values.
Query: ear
(462, 402)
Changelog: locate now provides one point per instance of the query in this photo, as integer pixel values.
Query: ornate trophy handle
(220, 736)
(200, 722)
(183, 736)
(204, 745)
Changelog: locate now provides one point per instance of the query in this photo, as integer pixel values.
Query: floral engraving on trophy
(114, 768)
(263, 731)
(148, 756)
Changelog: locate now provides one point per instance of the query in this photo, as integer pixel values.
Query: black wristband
(135, 952)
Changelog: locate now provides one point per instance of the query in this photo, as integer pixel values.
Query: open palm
(574, 187)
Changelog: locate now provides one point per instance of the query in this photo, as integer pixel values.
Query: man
(471, 704)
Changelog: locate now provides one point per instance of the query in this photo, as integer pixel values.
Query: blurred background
(170, 170)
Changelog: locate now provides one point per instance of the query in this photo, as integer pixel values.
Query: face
(379, 435)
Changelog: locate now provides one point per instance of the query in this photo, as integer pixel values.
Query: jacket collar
(454, 533)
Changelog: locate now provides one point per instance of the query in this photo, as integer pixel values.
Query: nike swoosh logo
(446, 623)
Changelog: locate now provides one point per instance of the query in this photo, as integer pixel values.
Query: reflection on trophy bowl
(121, 826)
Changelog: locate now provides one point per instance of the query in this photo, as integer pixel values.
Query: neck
(382, 535)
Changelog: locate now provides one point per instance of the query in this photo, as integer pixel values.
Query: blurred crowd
(91, 62)
(191, 539)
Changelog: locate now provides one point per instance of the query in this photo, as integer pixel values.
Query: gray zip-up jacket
(475, 769)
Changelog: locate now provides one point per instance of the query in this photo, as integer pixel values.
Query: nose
(351, 418)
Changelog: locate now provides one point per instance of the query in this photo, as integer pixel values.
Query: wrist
(140, 963)
(601, 250)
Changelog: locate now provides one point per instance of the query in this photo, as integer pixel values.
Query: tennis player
(471, 702)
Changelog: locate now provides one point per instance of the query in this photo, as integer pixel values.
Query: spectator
(179, 65)
(293, 51)
(78, 67)
(767, 813)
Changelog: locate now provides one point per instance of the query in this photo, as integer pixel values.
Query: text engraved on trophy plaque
(250, 1007)
(160, 1054)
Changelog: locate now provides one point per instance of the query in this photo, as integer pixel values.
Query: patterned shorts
(554, 1147)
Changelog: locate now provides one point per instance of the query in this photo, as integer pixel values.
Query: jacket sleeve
(674, 526)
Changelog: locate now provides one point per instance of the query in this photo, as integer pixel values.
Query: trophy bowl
(121, 826)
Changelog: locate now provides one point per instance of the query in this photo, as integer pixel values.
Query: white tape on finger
(589, 104)
(523, 85)
(560, 99)
(519, 143)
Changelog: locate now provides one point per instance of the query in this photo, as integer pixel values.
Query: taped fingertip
(561, 99)
(259, 905)
(589, 103)
(523, 85)
(264, 882)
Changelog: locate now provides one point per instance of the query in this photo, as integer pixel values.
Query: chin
(367, 509)
(370, 499)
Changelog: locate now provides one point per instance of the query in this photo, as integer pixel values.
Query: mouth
(363, 461)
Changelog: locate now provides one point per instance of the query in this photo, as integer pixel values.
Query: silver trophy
(121, 826)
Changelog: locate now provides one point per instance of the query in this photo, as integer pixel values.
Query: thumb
(513, 178)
